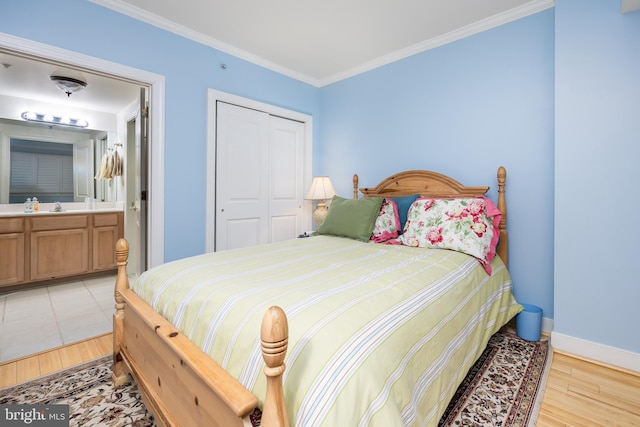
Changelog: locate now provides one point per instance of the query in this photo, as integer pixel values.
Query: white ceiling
(320, 42)
(315, 42)
(27, 78)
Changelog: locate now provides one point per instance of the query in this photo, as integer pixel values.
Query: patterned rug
(503, 388)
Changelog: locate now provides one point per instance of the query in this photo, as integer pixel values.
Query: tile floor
(46, 317)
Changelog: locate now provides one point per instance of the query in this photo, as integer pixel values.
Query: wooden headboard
(434, 184)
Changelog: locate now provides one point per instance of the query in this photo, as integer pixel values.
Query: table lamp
(321, 189)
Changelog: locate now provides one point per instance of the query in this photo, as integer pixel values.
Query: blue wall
(554, 97)
(597, 151)
(189, 68)
(462, 109)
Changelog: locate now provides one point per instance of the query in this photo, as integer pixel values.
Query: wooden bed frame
(182, 386)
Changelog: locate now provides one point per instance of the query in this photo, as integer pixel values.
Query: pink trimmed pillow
(467, 225)
(387, 224)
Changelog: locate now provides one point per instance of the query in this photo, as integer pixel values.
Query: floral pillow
(387, 224)
(467, 225)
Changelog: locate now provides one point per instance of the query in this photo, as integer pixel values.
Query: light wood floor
(578, 392)
(26, 368)
(581, 393)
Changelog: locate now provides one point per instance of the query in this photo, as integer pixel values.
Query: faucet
(57, 207)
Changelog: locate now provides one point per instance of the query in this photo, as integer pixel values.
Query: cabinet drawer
(54, 222)
(103, 220)
(57, 253)
(11, 225)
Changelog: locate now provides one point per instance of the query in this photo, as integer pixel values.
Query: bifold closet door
(286, 142)
(259, 162)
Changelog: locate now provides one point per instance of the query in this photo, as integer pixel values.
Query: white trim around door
(213, 97)
(156, 84)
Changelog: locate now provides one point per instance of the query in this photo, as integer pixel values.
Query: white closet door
(286, 176)
(242, 184)
(259, 177)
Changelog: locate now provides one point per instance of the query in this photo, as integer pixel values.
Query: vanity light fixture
(50, 119)
(68, 85)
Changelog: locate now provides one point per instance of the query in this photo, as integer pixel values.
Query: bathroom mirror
(54, 163)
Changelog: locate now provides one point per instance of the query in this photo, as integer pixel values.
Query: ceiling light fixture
(50, 119)
(68, 85)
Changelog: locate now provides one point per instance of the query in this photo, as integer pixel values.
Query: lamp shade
(321, 189)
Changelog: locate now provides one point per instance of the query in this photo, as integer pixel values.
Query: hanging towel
(108, 173)
(103, 167)
(117, 167)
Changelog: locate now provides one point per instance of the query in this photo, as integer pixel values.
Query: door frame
(156, 85)
(213, 96)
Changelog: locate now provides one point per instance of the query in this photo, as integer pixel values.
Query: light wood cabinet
(107, 229)
(11, 251)
(44, 247)
(59, 246)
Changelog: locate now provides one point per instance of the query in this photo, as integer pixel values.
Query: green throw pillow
(352, 218)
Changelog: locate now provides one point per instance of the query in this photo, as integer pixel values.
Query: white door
(137, 189)
(259, 177)
(285, 179)
(241, 190)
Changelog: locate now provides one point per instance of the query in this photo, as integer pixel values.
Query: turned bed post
(119, 376)
(274, 337)
(355, 185)
(503, 243)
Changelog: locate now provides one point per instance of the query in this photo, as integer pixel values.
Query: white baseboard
(596, 352)
(547, 325)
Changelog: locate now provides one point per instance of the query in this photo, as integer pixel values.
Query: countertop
(68, 209)
(69, 212)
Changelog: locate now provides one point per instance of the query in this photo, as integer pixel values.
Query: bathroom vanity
(46, 245)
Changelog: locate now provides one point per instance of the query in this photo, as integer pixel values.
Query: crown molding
(469, 30)
(477, 27)
(157, 21)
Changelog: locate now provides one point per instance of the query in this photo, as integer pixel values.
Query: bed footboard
(179, 383)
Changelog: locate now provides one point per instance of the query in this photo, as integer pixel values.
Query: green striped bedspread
(379, 335)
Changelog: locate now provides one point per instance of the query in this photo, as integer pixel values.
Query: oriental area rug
(503, 388)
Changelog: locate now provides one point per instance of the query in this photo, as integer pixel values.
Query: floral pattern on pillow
(467, 225)
(387, 224)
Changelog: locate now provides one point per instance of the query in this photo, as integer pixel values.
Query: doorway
(155, 84)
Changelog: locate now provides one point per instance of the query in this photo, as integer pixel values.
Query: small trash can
(529, 322)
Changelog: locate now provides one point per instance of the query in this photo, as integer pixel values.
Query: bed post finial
(122, 283)
(274, 338)
(355, 185)
(503, 244)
